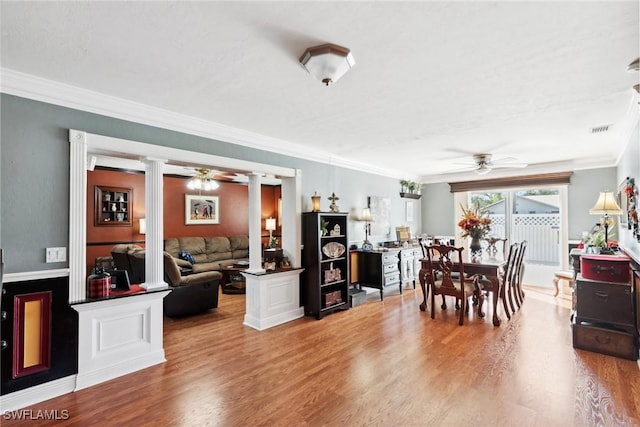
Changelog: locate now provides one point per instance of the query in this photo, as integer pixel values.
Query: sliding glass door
(534, 215)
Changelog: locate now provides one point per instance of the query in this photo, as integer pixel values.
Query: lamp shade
(315, 202)
(366, 215)
(270, 224)
(606, 205)
(327, 62)
(143, 225)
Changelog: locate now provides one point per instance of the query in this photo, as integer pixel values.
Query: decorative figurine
(333, 207)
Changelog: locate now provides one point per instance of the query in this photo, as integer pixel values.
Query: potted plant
(323, 227)
(410, 189)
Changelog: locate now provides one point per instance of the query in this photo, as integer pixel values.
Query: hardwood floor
(381, 363)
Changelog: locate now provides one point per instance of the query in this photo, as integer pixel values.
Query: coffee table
(232, 282)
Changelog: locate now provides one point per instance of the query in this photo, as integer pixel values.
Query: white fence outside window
(541, 231)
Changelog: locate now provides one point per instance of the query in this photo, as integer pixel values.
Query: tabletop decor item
(333, 249)
(475, 225)
(333, 207)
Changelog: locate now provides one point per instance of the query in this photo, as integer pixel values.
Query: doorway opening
(536, 215)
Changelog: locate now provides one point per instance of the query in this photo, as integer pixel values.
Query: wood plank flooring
(378, 364)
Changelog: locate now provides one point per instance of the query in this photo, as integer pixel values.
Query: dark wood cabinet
(325, 258)
(113, 206)
(379, 269)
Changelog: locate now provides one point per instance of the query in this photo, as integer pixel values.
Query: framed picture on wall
(201, 209)
(409, 213)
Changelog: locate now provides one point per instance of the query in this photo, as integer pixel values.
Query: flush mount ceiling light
(202, 181)
(327, 62)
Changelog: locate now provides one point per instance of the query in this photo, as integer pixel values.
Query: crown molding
(52, 92)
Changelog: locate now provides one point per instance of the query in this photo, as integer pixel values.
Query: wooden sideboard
(379, 269)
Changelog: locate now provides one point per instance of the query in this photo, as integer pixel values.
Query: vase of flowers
(476, 225)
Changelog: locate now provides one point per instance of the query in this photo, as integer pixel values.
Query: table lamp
(366, 217)
(605, 206)
(270, 226)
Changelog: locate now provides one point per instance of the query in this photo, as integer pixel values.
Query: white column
(255, 221)
(77, 214)
(291, 214)
(154, 266)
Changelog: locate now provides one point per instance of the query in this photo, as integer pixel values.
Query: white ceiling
(434, 82)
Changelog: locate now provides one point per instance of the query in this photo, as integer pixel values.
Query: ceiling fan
(482, 164)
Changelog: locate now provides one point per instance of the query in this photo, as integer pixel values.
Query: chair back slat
(446, 277)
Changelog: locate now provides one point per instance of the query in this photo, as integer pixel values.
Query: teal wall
(438, 205)
(34, 176)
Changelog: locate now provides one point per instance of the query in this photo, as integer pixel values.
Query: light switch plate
(56, 255)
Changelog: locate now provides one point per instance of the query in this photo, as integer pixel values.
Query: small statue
(333, 207)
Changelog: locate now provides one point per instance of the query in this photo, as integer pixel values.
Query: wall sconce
(606, 205)
(327, 62)
(143, 225)
(315, 202)
(366, 217)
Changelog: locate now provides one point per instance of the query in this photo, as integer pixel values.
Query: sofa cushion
(239, 246)
(172, 246)
(208, 266)
(217, 248)
(196, 246)
(186, 255)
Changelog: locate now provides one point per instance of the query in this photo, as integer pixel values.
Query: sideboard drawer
(604, 302)
(390, 258)
(391, 279)
(388, 268)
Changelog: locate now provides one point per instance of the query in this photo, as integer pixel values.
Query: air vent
(600, 129)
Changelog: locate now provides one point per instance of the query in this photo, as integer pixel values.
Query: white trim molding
(53, 92)
(36, 394)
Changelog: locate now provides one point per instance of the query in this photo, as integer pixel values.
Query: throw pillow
(186, 255)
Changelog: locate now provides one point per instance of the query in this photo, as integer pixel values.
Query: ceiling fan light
(483, 170)
(202, 181)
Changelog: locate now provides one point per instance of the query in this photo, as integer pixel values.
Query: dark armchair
(190, 294)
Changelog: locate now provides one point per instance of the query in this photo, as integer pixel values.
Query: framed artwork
(381, 215)
(409, 207)
(201, 209)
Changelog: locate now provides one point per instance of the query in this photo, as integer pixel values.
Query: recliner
(190, 294)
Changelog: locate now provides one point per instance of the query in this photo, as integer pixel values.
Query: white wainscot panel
(272, 299)
(118, 336)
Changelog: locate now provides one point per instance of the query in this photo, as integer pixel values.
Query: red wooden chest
(605, 268)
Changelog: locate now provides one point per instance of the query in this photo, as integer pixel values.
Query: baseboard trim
(39, 393)
(126, 367)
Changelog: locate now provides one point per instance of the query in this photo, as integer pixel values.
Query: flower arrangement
(474, 224)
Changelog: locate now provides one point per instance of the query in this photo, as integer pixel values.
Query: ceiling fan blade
(508, 165)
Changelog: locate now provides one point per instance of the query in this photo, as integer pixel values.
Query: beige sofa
(209, 253)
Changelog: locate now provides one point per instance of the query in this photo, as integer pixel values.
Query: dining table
(487, 268)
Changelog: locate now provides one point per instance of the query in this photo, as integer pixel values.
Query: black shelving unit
(325, 281)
